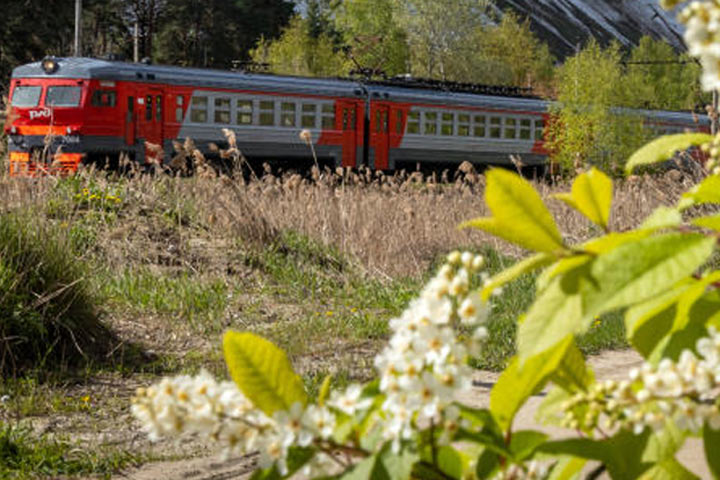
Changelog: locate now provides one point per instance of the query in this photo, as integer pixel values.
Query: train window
(413, 123)
(198, 110)
(510, 128)
(131, 104)
(525, 129)
(244, 112)
(26, 96)
(308, 115)
(398, 122)
(328, 116)
(463, 125)
(495, 127)
(430, 123)
(103, 98)
(447, 122)
(222, 110)
(539, 129)
(179, 111)
(479, 125)
(62, 96)
(267, 113)
(287, 114)
(148, 108)
(158, 108)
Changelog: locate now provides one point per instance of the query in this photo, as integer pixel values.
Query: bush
(47, 315)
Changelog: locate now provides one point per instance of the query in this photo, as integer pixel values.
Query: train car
(86, 109)
(66, 111)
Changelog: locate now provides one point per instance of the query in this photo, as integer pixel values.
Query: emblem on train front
(40, 113)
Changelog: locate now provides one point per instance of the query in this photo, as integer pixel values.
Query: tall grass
(47, 315)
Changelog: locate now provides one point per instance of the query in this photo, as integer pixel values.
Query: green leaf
(263, 372)
(669, 469)
(522, 267)
(711, 444)
(664, 148)
(486, 463)
(712, 222)
(523, 443)
(707, 191)
(591, 195)
(368, 469)
(519, 214)
(399, 466)
(662, 217)
(324, 390)
(626, 275)
(450, 462)
(573, 374)
(518, 382)
(568, 468)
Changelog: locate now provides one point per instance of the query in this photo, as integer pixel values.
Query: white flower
(350, 400)
(473, 309)
(319, 420)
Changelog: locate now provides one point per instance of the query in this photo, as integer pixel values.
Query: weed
(24, 455)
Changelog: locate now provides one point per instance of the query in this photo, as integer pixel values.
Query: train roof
(93, 68)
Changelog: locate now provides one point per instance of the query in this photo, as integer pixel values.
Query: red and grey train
(85, 109)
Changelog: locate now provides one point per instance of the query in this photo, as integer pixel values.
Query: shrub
(47, 314)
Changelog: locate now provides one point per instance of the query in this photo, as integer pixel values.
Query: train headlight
(50, 65)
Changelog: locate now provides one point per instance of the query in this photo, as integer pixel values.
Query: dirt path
(609, 365)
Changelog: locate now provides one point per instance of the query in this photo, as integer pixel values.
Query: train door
(130, 119)
(349, 115)
(150, 114)
(380, 135)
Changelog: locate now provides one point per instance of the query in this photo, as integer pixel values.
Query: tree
(438, 32)
(586, 129)
(371, 31)
(216, 32)
(659, 78)
(297, 52)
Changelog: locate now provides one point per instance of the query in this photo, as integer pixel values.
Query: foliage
(297, 52)
(213, 34)
(47, 313)
(408, 422)
(598, 119)
(586, 129)
(22, 455)
(376, 41)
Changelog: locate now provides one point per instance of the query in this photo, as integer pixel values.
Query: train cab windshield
(63, 96)
(26, 96)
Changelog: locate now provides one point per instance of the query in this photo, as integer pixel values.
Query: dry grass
(390, 226)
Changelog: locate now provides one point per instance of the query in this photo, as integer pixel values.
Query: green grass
(197, 301)
(25, 455)
(48, 315)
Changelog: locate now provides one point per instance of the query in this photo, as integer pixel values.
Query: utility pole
(78, 27)
(136, 42)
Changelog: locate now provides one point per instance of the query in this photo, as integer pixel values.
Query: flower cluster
(87, 196)
(218, 411)
(684, 392)
(425, 364)
(702, 36)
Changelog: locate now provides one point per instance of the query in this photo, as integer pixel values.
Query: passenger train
(86, 109)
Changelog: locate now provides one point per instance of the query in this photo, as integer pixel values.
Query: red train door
(379, 135)
(130, 120)
(349, 115)
(150, 113)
